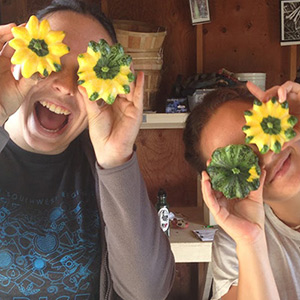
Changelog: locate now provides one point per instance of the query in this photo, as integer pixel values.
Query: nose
(65, 81)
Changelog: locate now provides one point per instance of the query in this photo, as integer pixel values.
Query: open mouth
(51, 117)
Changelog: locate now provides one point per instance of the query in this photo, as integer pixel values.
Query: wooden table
(188, 248)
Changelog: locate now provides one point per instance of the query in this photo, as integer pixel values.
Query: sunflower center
(104, 70)
(236, 171)
(271, 125)
(39, 47)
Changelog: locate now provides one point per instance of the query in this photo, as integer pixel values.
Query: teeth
(56, 109)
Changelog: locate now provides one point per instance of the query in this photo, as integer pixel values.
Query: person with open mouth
(76, 220)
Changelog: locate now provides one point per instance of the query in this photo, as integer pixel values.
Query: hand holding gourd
(12, 90)
(114, 128)
(242, 219)
(289, 91)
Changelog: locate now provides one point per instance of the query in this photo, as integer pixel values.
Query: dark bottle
(162, 208)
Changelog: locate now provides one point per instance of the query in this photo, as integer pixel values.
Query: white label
(163, 214)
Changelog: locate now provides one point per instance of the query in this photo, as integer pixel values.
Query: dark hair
(201, 114)
(82, 8)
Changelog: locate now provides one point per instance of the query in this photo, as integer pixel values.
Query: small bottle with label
(162, 208)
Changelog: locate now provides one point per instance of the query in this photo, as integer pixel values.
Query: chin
(282, 190)
(44, 145)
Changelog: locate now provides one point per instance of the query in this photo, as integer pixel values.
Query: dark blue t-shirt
(49, 226)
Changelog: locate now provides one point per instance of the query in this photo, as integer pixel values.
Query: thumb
(25, 84)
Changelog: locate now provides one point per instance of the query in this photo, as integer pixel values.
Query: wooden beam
(199, 47)
(293, 62)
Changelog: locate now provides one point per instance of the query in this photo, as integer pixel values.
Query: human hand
(12, 90)
(242, 219)
(114, 128)
(289, 91)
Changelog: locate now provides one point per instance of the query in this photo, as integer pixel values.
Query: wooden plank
(293, 62)
(208, 280)
(163, 121)
(199, 47)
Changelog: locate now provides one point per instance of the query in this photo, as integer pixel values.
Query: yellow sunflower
(269, 125)
(38, 48)
(104, 71)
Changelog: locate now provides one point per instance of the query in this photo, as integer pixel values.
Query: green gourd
(234, 171)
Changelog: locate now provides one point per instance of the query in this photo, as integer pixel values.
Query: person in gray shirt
(256, 250)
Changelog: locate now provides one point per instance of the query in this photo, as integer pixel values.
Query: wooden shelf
(163, 120)
(186, 247)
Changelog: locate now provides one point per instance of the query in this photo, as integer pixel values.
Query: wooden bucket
(137, 36)
(152, 81)
(147, 60)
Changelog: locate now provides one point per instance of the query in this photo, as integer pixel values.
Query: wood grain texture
(244, 36)
(293, 62)
(161, 157)
(13, 11)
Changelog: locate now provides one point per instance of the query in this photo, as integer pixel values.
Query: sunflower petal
(44, 29)
(33, 27)
(58, 49)
(18, 43)
(20, 56)
(29, 66)
(54, 37)
(21, 33)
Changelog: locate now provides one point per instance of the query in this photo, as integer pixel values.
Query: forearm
(256, 280)
(141, 262)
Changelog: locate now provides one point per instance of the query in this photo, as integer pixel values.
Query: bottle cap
(161, 193)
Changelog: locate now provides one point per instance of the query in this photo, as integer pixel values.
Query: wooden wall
(161, 158)
(244, 36)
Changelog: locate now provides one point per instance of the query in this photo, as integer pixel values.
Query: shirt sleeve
(141, 262)
(225, 267)
(4, 137)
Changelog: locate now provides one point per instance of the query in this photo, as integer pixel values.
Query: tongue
(49, 119)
